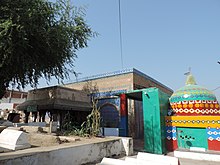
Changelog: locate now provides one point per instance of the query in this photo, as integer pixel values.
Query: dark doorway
(109, 116)
(135, 119)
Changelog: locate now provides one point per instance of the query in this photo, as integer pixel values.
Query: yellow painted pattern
(193, 121)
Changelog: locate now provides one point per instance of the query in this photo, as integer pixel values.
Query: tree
(90, 88)
(39, 38)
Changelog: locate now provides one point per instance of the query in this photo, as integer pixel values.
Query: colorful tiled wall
(213, 135)
(171, 138)
(211, 123)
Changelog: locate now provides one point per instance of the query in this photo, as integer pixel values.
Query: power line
(216, 88)
(120, 33)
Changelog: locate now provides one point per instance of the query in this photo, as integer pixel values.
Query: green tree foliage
(39, 38)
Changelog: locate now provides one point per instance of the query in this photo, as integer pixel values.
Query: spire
(190, 80)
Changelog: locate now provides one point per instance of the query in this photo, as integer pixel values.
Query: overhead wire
(120, 33)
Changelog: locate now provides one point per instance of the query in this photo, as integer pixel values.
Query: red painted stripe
(171, 145)
(214, 145)
(123, 105)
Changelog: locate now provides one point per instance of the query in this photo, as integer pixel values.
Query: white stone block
(131, 160)
(197, 149)
(165, 160)
(197, 156)
(110, 161)
(13, 139)
(53, 127)
(143, 162)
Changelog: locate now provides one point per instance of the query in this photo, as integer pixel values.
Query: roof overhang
(56, 104)
(135, 95)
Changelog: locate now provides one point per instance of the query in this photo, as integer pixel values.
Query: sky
(161, 38)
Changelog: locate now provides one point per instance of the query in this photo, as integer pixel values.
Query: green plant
(81, 131)
(93, 119)
(91, 127)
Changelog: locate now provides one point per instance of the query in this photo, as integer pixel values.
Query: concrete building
(108, 88)
(11, 99)
(59, 102)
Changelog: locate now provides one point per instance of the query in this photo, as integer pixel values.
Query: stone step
(198, 156)
(144, 162)
(143, 159)
(158, 158)
(110, 161)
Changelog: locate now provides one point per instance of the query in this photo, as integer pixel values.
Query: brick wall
(113, 83)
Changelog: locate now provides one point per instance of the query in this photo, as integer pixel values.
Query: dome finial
(190, 80)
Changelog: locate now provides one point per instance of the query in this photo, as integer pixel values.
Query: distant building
(9, 102)
(11, 99)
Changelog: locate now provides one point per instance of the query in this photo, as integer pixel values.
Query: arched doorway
(109, 116)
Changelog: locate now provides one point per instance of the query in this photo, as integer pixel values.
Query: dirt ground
(44, 139)
(39, 137)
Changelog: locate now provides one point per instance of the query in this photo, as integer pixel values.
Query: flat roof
(120, 72)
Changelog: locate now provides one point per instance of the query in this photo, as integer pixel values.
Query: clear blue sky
(161, 38)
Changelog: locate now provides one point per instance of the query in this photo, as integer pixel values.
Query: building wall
(106, 84)
(210, 125)
(59, 93)
(128, 81)
(14, 97)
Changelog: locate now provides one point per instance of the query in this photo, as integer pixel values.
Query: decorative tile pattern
(108, 94)
(194, 100)
(213, 134)
(192, 92)
(171, 133)
(113, 101)
(193, 121)
(196, 107)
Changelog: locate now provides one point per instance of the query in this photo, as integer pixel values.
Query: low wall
(68, 154)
